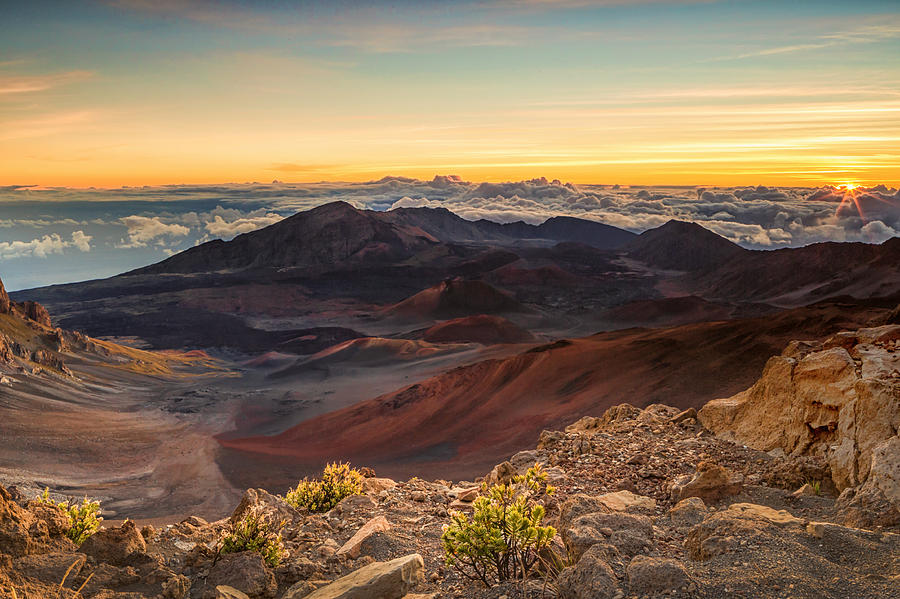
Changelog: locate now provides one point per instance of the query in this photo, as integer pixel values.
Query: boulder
(116, 546)
(223, 591)
(650, 575)
(626, 501)
(374, 486)
(688, 512)
(246, 572)
(711, 482)
(742, 524)
(263, 504)
(590, 578)
(579, 505)
(351, 547)
(628, 533)
(379, 580)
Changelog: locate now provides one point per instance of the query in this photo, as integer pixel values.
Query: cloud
(44, 246)
(143, 229)
(860, 35)
(81, 241)
(172, 217)
(11, 84)
(221, 228)
(878, 232)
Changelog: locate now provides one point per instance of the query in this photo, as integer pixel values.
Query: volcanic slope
(453, 424)
(92, 417)
(716, 268)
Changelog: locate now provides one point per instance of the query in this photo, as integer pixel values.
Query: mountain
(455, 298)
(329, 235)
(450, 228)
(339, 235)
(679, 245)
(794, 276)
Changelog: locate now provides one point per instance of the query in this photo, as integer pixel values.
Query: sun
(849, 186)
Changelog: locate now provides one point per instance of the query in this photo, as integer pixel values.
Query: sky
(631, 92)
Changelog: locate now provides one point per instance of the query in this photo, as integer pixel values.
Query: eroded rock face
(4, 299)
(839, 401)
(38, 313)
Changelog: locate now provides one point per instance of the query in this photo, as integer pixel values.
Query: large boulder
(246, 572)
(711, 482)
(590, 578)
(352, 547)
(839, 401)
(651, 575)
(628, 533)
(379, 580)
(118, 546)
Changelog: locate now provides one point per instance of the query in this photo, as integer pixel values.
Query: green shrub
(504, 537)
(338, 481)
(253, 533)
(84, 518)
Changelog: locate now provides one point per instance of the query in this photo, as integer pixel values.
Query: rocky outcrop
(36, 312)
(839, 400)
(4, 300)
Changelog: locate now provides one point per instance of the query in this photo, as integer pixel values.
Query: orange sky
(676, 93)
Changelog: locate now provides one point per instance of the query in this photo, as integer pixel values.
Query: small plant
(816, 486)
(84, 518)
(504, 538)
(253, 533)
(338, 481)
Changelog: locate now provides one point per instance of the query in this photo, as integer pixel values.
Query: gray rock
(648, 575)
(590, 578)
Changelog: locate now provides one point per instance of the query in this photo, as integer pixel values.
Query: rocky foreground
(790, 489)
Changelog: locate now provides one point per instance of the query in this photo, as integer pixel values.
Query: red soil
(485, 329)
(457, 423)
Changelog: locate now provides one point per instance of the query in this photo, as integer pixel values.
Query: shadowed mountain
(678, 245)
(799, 275)
(339, 235)
(329, 235)
(718, 269)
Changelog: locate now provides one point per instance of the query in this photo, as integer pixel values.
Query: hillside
(678, 245)
(471, 416)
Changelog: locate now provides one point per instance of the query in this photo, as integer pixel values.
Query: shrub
(504, 537)
(253, 533)
(84, 518)
(338, 481)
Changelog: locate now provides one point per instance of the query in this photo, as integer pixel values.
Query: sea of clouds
(53, 235)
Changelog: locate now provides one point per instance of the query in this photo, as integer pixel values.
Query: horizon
(64, 235)
(668, 92)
